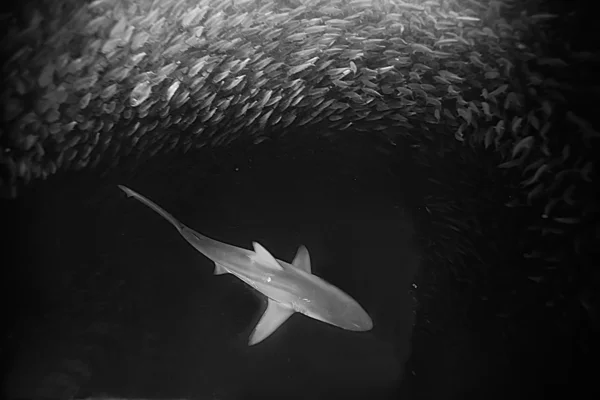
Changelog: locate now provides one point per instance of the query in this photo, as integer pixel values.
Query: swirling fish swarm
(85, 84)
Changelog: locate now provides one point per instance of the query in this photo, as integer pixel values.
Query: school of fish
(113, 79)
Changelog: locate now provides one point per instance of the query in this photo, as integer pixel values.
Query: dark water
(110, 300)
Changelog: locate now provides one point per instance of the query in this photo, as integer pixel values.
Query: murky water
(114, 302)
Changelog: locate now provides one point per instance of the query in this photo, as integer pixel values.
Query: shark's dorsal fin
(261, 255)
(275, 315)
(302, 259)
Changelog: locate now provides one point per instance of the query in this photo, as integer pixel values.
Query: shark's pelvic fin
(275, 315)
(302, 259)
(220, 270)
(262, 256)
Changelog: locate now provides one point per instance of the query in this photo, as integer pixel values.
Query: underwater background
(437, 159)
(124, 305)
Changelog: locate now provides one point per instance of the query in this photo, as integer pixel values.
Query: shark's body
(289, 287)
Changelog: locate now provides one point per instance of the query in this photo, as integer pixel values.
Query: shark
(289, 288)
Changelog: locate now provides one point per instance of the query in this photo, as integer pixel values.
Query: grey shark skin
(289, 288)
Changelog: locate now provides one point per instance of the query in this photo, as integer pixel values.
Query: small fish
(420, 48)
(288, 119)
(458, 135)
(263, 120)
(235, 82)
(540, 171)
(489, 137)
(109, 92)
(296, 37)
(338, 23)
(371, 92)
(586, 172)
(516, 124)
(450, 76)
(260, 139)
(466, 18)
(198, 66)
(465, 113)
(534, 193)
(491, 75)
(433, 101)
(567, 220)
(172, 89)
(315, 29)
(109, 108)
(299, 68)
(446, 41)
(220, 76)
(404, 91)
(140, 93)
(85, 101)
(192, 17)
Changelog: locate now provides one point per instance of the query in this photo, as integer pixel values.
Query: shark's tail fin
(154, 206)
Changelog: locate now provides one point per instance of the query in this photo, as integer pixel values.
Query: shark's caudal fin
(152, 205)
(302, 259)
(275, 315)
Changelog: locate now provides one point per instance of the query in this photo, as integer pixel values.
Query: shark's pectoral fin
(275, 315)
(262, 256)
(220, 270)
(302, 259)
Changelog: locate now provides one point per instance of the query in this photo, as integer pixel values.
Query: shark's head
(360, 319)
(341, 310)
(327, 303)
(354, 318)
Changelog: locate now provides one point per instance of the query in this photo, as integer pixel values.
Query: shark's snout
(356, 319)
(362, 322)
